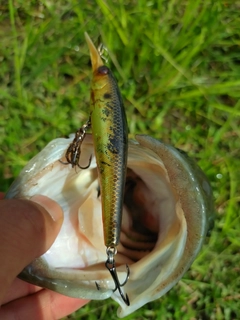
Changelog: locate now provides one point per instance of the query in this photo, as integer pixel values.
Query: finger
(27, 230)
(44, 305)
(20, 289)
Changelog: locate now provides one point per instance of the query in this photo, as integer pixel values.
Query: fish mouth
(165, 219)
(140, 227)
(143, 211)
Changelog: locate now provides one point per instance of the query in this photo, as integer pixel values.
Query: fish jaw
(167, 210)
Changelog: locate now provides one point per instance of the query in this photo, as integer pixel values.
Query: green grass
(178, 67)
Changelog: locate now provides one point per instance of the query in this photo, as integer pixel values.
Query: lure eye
(103, 70)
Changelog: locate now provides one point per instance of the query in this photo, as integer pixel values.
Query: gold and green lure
(110, 139)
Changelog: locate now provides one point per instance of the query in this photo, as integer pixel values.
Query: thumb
(27, 230)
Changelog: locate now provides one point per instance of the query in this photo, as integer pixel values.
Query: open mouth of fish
(166, 214)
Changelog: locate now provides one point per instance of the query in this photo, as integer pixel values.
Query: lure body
(110, 139)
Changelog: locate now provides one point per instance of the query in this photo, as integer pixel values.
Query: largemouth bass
(167, 211)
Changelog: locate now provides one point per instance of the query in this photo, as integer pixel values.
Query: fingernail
(51, 206)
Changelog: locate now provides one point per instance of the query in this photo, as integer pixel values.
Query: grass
(178, 68)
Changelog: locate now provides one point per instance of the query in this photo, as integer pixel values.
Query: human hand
(27, 230)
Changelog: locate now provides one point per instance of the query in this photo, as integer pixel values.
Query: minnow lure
(110, 139)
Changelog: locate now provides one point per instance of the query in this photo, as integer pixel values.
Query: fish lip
(96, 59)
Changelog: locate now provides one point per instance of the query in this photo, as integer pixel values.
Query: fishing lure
(110, 139)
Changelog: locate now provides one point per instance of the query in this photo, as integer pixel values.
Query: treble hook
(110, 265)
(74, 150)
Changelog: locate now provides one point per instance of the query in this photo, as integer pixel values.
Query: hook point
(110, 265)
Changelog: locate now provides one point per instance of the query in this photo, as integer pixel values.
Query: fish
(110, 138)
(167, 212)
